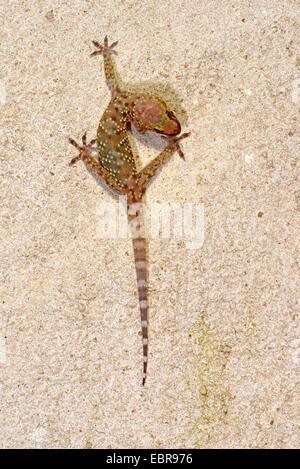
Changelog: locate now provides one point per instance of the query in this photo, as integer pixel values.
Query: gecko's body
(113, 161)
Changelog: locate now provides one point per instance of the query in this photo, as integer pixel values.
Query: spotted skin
(115, 152)
(110, 156)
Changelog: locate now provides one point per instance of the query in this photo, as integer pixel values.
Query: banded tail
(136, 222)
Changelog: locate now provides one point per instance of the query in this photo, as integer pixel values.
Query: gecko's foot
(105, 48)
(173, 142)
(86, 149)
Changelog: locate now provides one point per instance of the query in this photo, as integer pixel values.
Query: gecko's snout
(172, 127)
(168, 127)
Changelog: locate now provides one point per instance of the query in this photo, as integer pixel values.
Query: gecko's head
(151, 113)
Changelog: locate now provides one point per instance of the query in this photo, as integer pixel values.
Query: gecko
(110, 156)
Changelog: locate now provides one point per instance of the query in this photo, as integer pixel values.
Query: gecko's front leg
(109, 68)
(145, 176)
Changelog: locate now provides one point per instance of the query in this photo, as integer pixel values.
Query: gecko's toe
(74, 160)
(79, 148)
(180, 153)
(96, 52)
(84, 138)
(186, 134)
(97, 44)
(174, 142)
(112, 48)
(74, 143)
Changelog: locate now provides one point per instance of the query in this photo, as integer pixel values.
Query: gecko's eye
(170, 114)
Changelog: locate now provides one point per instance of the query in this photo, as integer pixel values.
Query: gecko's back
(115, 152)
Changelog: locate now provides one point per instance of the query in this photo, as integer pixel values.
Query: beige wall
(224, 339)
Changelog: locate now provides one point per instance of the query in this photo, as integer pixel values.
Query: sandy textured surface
(224, 340)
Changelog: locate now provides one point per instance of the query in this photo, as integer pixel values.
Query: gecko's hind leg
(145, 176)
(88, 153)
(86, 149)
